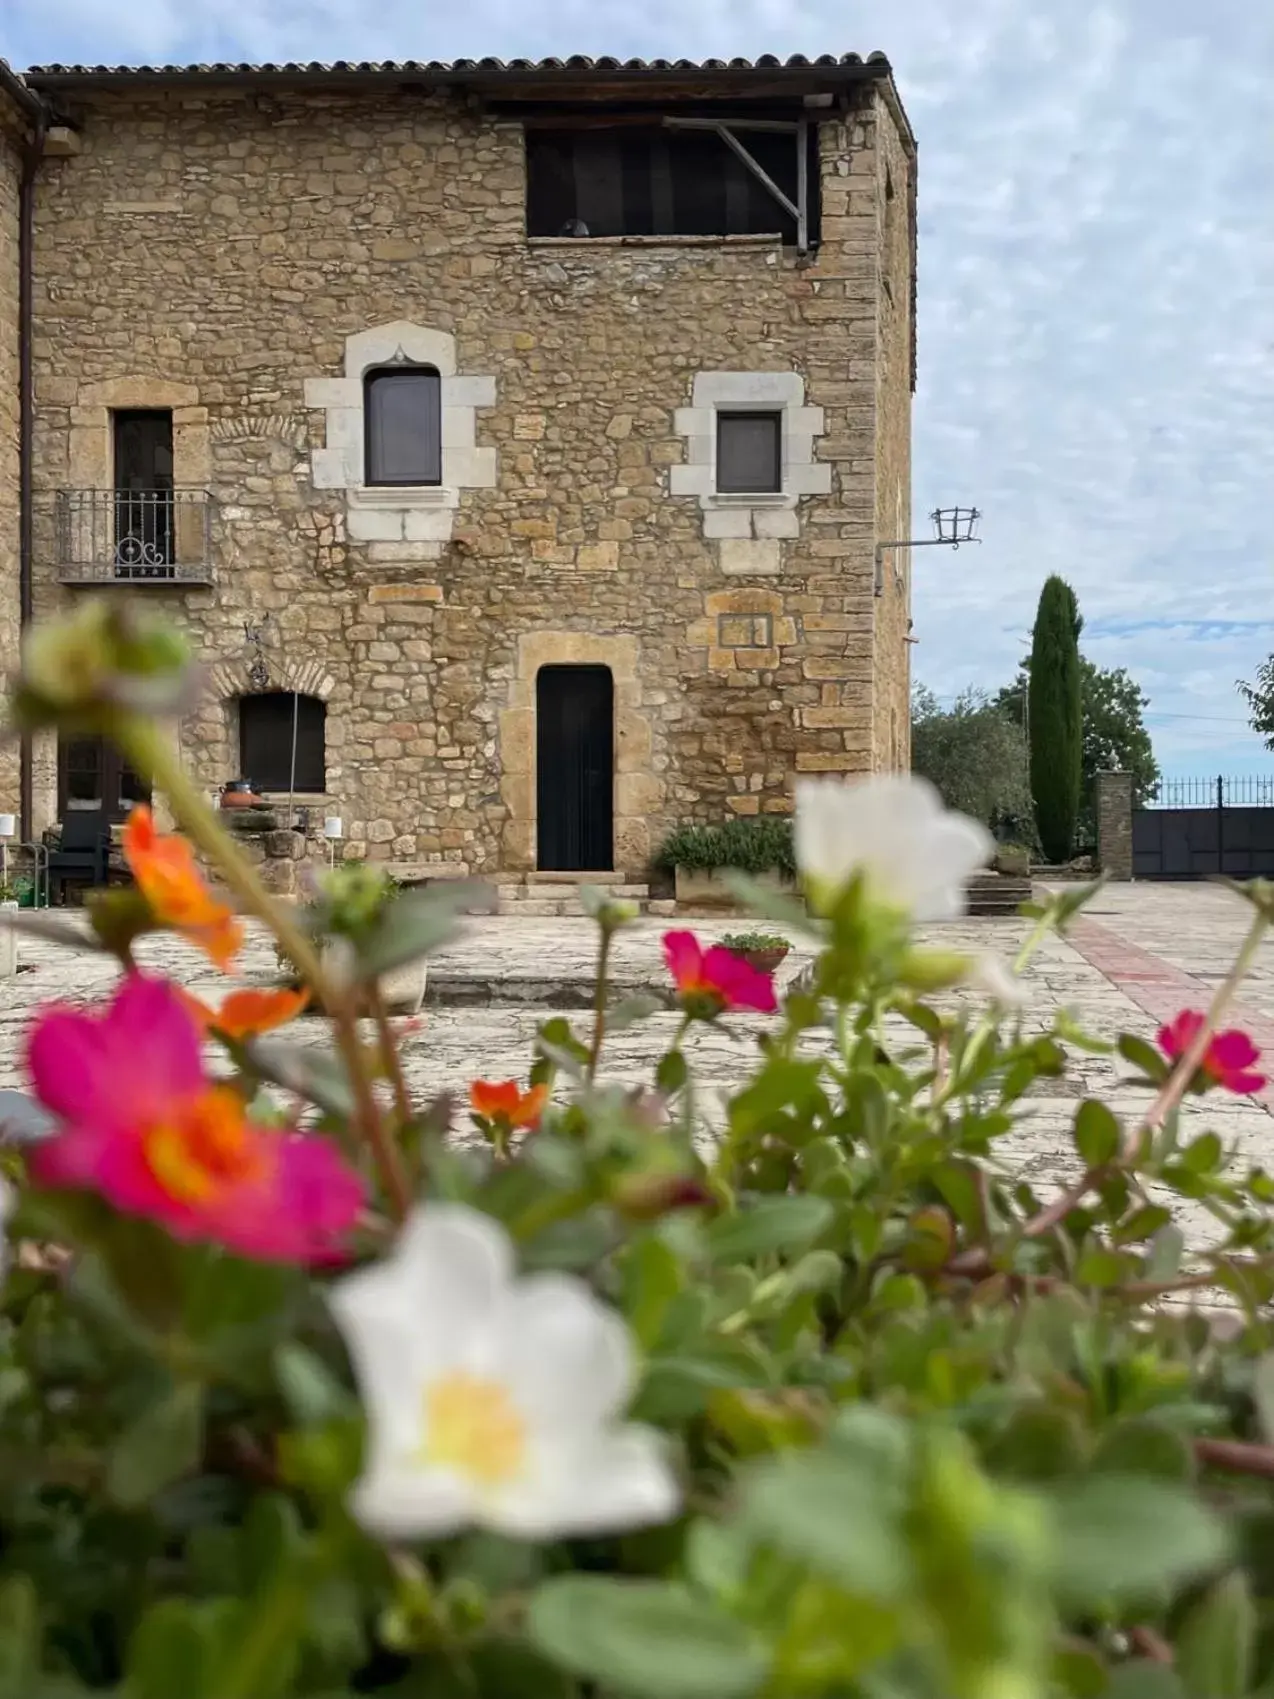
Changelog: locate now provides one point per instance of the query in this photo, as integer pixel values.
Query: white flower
(492, 1400)
(893, 830)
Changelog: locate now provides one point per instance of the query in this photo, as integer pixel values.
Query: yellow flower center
(206, 1148)
(471, 1426)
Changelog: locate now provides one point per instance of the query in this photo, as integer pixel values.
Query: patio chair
(81, 857)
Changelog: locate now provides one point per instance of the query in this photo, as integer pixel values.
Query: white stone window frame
(401, 513)
(755, 516)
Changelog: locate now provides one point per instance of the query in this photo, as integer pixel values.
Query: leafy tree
(1115, 735)
(1259, 697)
(1056, 718)
(975, 754)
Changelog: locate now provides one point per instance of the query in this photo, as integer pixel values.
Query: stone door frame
(638, 792)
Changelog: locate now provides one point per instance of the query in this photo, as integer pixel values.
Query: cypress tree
(1055, 718)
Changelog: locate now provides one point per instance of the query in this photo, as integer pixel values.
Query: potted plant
(697, 856)
(764, 951)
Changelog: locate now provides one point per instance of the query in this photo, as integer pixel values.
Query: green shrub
(740, 941)
(1055, 699)
(762, 845)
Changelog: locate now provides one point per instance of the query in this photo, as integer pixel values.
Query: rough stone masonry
(235, 251)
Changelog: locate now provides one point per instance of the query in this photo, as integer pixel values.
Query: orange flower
(245, 1014)
(164, 867)
(506, 1105)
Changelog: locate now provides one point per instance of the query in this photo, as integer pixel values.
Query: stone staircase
(542, 895)
(997, 894)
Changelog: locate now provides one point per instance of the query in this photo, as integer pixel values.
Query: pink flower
(715, 979)
(142, 1125)
(1228, 1059)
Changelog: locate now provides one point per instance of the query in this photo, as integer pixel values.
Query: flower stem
(393, 1061)
(599, 1005)
(149, 752)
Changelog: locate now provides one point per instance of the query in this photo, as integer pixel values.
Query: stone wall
(10, 172)
(1114, 824)
(892, 190)
(214, 251)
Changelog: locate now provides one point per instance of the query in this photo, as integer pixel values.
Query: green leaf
(646, 1639)
(319, 1076)
(1138, 1445)
(51, 931)
(1164, 1260)
(672, 1072)
(1039, 1442)
(768, 1225)
(1204, 1154)
(1263, 1393)
(416, 923)
(1143, 1679)
(162, 1445)
(510, 1669)
(170, 1654)
(1097, 1135)
(652, 1277)
(1144, 1057)
(1142, 1224)
(1217, 1640)
(1079, 1672)
(836, 1510)
(677, 1387)
(1119, 1537)
(1103, 1268)
(312, 1392)
(19, 1636)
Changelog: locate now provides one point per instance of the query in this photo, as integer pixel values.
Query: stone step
(997, 894)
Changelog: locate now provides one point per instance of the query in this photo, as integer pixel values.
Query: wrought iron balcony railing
(134, 536)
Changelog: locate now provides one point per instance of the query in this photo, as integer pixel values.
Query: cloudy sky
(1096, 341)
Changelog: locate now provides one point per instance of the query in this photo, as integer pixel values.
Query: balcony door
(94, 780)
(144, 494)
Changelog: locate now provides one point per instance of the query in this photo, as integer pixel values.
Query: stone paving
(1141, 953)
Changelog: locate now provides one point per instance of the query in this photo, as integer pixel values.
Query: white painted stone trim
(401, 513)
(764, 519)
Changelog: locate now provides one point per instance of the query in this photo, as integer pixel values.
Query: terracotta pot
(239, 794)
(764, 961)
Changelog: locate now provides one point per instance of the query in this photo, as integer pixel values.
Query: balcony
(135, 537)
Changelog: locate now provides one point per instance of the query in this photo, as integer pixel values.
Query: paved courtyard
(1139, 954)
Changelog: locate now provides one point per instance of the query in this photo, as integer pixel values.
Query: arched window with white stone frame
(402, 434)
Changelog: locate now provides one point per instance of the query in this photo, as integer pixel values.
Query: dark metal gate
(575, 761)
(1198, 828)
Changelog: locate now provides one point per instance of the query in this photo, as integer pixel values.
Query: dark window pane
(404, 427)
(633, 181)
(265, 741)
(749, 452)
(82, 763)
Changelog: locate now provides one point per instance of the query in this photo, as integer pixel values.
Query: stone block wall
(11, 130)
(215, 251)
(1114, 824)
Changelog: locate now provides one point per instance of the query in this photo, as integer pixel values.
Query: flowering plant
(307, 1395)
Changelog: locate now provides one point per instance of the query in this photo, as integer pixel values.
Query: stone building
(513, 440)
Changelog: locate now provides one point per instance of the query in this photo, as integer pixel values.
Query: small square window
(749, 453)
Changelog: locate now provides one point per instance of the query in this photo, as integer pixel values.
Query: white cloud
(1096, 345)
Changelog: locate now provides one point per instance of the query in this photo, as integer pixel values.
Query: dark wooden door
(575, 762)
(143, 494)
(94, 779)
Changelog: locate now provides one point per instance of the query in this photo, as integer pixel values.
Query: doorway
(144, 493)
(94, 781)
(575, 762)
